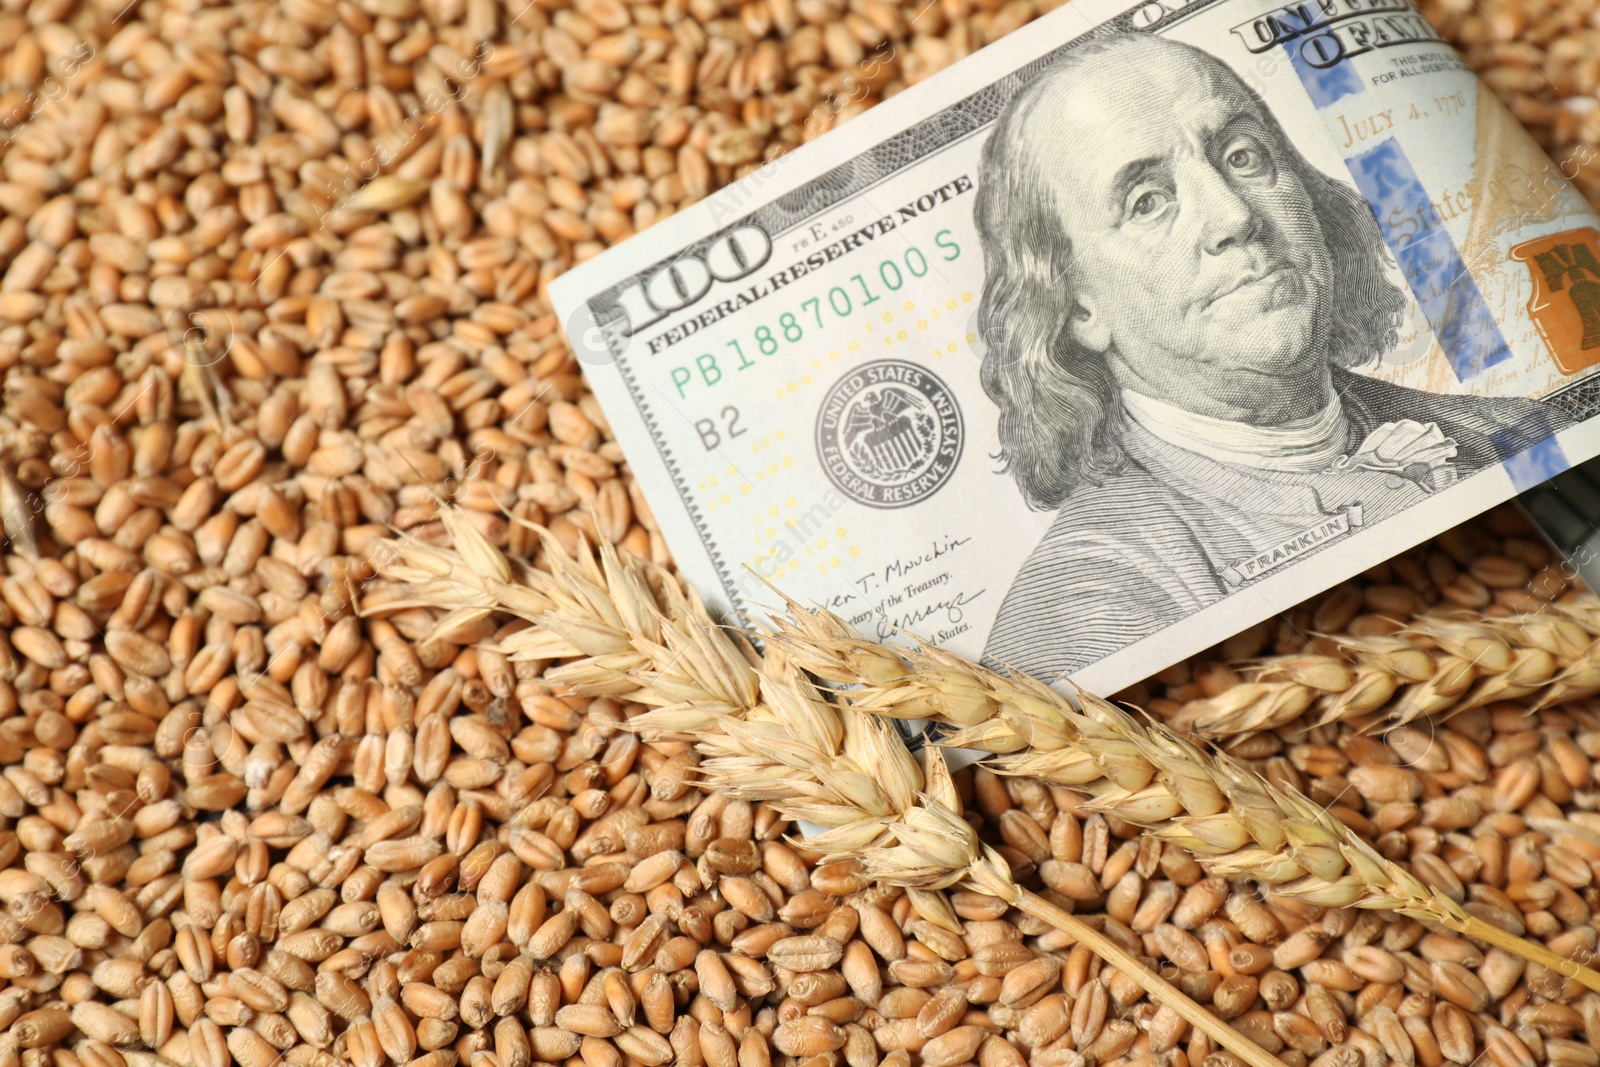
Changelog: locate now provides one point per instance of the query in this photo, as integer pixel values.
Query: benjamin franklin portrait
(1176, 307)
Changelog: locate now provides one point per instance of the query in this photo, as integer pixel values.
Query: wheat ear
(628, 629)
(634, 632)
(1437, 665)
(1238, 825)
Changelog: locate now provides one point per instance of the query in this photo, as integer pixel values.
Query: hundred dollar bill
(1131, 330)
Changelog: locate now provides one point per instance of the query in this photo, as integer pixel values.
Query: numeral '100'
(686, 279)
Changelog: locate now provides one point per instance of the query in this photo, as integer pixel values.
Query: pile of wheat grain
(272, 283)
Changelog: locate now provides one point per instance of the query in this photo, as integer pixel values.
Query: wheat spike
(1238, 825)
(630, 629)
(1437, 665)
(768, 732)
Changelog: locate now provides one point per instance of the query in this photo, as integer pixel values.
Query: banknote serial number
(858, 292)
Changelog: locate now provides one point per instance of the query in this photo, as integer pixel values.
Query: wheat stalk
(769, 733)
(1238, 824)
(1436, 665)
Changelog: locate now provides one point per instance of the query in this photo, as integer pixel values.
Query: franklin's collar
(1308, 444)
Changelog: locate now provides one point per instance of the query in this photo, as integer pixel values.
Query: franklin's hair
(1059, 426)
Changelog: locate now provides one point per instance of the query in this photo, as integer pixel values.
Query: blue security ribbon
(1461, 320)
(1530, 452)
(1325, 85)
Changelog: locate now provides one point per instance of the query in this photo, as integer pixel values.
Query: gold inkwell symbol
(1565, 268)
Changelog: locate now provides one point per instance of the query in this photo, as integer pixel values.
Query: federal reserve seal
(889, 434)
